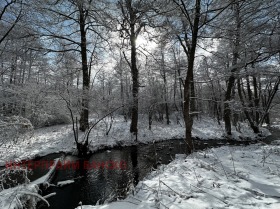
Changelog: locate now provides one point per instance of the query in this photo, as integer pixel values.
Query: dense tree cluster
(163, 60)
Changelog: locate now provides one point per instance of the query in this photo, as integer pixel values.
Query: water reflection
(134, 160)
(102, 183)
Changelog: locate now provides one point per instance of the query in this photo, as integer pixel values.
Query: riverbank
(60, 138)
(226, 177)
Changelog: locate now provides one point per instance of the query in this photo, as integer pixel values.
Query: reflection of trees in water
(107, 185)
(135, 168)
(128, 178)
(112, 184)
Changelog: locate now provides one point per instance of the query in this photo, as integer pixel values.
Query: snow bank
(60, 138)
(225, 177)
(26, 194)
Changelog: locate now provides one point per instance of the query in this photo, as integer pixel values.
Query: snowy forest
(135, 81)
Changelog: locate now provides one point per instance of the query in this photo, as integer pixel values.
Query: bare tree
(243, 36)
(132, 22)
(10, 15)
(194, 17)
(71, 25)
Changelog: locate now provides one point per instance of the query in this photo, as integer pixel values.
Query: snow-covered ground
(233, 177)
(227, 177)
(60, 138)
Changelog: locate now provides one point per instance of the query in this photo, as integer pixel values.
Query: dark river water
(94, 183)
(122, 168)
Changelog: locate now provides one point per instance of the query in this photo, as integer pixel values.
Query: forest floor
(231, 177)
(60, 138)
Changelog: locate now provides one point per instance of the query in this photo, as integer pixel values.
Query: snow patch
(64, 183)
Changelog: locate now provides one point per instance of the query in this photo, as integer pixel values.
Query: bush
(11, 128)
(44, 119)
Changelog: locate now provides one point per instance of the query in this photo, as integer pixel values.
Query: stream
(122, 168)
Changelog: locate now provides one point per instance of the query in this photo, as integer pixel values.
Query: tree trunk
(165, 88)
(135, 82)
(246, 112)
(180, 80)
(230, 83)
(150, 117)
(256, 99)
(82, 149)
(84, 124)
(189, 85)
(270, 99)
(181, 89)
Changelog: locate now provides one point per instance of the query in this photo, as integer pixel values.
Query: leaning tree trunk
(269, 102)
(246, 112)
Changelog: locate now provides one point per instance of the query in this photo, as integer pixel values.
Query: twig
(232, 160)
(209, 194)
(90, 129)
(49, 195)
(220, 162)
(173, 190)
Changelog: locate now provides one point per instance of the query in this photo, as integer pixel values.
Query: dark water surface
(91, 184)
(108, 183)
